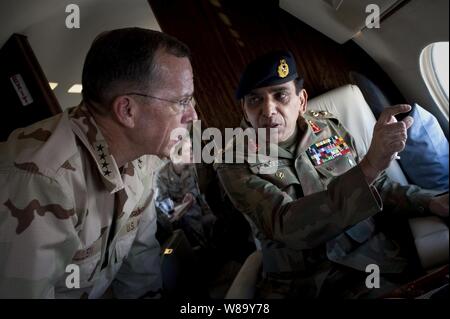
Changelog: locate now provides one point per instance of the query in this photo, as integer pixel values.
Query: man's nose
(269, 107)
(190, 115)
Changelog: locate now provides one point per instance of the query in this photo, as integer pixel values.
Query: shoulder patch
(322, 115)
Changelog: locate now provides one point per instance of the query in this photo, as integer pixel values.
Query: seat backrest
(348, 104)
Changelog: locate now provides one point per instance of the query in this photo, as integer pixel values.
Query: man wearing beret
(321, 217)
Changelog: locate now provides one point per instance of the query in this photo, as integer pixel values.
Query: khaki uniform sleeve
(410, 200)
(406, 199)
(309, 221)
(399, 199)
(37, 234)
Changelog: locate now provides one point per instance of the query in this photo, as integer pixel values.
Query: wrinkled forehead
(173, 72)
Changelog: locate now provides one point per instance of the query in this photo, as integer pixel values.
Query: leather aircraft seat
(430, 233)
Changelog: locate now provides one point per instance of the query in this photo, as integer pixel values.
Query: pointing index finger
(390, 111)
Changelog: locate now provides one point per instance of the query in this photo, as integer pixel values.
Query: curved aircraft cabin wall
(398, 43)
(225, 35)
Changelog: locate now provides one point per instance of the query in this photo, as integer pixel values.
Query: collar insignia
(316, 128)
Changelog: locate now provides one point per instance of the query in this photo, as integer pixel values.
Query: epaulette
(322, 115)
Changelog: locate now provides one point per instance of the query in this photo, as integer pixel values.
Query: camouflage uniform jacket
(197, 222)
(313, 209)
(175, 186)
(64, 201)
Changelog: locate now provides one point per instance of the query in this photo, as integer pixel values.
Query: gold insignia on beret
(283, 69)
(279, 174)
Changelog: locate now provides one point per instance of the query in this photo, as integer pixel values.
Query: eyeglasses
(181, 105)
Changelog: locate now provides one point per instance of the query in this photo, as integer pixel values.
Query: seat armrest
(431, 239)
(244, 285)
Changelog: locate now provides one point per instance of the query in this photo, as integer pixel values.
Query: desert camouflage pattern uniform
(310, 220)
(63, 201)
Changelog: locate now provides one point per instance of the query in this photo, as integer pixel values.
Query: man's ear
(303, 101)
(124, 110)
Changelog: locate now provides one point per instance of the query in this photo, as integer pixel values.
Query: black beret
(273, 68)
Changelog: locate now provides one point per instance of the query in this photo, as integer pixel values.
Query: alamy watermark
(373, 19)
(373, 279)
(241, 145)
(73, 277)
(73, 17)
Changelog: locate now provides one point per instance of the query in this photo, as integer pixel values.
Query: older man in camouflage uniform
(77, 213)
(314, 214)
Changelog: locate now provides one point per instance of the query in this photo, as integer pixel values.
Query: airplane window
(434, 67)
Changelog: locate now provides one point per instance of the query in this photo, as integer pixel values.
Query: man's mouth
(272, 125)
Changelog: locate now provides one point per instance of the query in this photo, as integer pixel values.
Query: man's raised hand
(389, 138)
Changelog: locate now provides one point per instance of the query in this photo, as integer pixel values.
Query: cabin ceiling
(59, 50)
(25, 13)
(396, 46)
(339, 20)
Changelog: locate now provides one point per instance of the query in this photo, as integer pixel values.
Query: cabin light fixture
(53, 85)
(76, 88)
